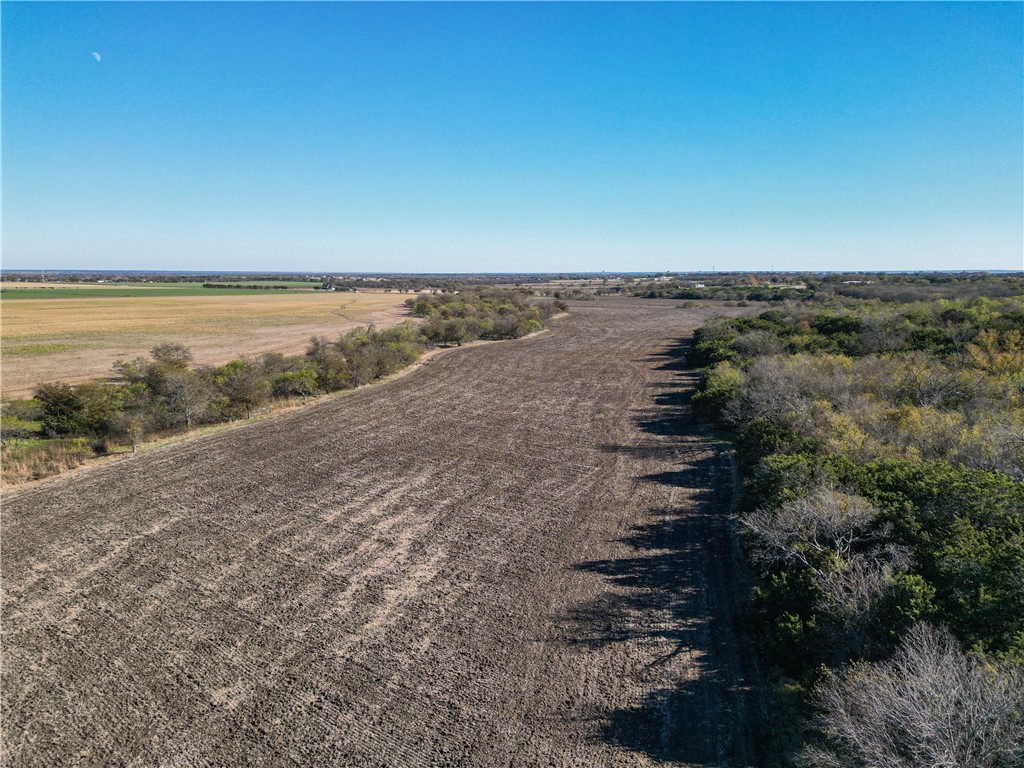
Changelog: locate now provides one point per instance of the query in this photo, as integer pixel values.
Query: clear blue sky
(512, 137)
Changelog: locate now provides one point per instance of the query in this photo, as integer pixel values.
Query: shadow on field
(662, 595)
(670, 413)
(676, 591)
(674, 358)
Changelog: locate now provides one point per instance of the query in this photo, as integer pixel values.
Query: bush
(930, 705)
(86, 409)
(719, 386)
(36, 461)
(301, 382)
(244, 386)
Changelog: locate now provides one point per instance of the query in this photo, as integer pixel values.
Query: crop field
(45, 339)
(518, 554)
(25, 290)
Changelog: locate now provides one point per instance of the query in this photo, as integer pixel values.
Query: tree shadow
(675, 357)
(678, 592)
(671, 725)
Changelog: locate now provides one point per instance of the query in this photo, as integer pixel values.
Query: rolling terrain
(518, 554)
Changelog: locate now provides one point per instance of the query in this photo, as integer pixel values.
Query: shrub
(85, 409)
(36, 461)
(719, 386)
(930, 705)
(301, 381)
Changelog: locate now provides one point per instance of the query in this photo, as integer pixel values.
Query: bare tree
(926, 380)
(783, 390)
(819, 530)
(758, 343)
(187, 395)
(836, 538)
(882, 333)
(930, 706)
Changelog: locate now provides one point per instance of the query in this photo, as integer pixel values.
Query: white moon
(95, 55)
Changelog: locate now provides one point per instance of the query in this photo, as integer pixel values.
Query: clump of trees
(166, 391)
(363, 355)
(786, 288)
(882, 451)
(455, 318)
(943, 380)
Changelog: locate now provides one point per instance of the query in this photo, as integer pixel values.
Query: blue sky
(512, 137)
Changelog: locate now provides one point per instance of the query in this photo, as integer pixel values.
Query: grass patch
(36, 459)
(36, 350)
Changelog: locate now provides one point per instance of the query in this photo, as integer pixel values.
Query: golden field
(79, 338)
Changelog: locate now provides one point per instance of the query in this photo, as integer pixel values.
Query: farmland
(520, 553)
(81, 336)
(28, 290)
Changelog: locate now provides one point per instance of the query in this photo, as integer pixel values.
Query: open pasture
(518, 554)
(72, 339)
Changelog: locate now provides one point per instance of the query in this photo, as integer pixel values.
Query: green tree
(244, 385)
(83, 410)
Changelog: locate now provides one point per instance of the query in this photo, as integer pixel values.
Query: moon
(95, 55)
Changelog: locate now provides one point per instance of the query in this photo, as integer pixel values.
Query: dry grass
(34, 462)
(76, 339)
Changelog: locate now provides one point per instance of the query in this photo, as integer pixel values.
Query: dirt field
(518, 554)
(81, 338)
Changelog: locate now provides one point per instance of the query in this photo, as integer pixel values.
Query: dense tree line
(722, 292)
(882, 450)
(249, 286)
(166, 392)
(825, 289)
(232, 278)
(905, 288)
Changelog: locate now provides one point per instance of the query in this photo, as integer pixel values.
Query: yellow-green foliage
(721, 385)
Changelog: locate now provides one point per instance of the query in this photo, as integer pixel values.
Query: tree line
(881, 446)
(166, 392)
(249, 287)
(834, 289)
(490, 314)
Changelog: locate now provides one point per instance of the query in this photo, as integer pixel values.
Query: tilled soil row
(519, 554)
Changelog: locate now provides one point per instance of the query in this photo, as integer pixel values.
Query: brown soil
(519, 554)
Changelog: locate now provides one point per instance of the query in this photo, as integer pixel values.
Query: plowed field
(518, 554)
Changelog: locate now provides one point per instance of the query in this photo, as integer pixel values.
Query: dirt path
(516, 555)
